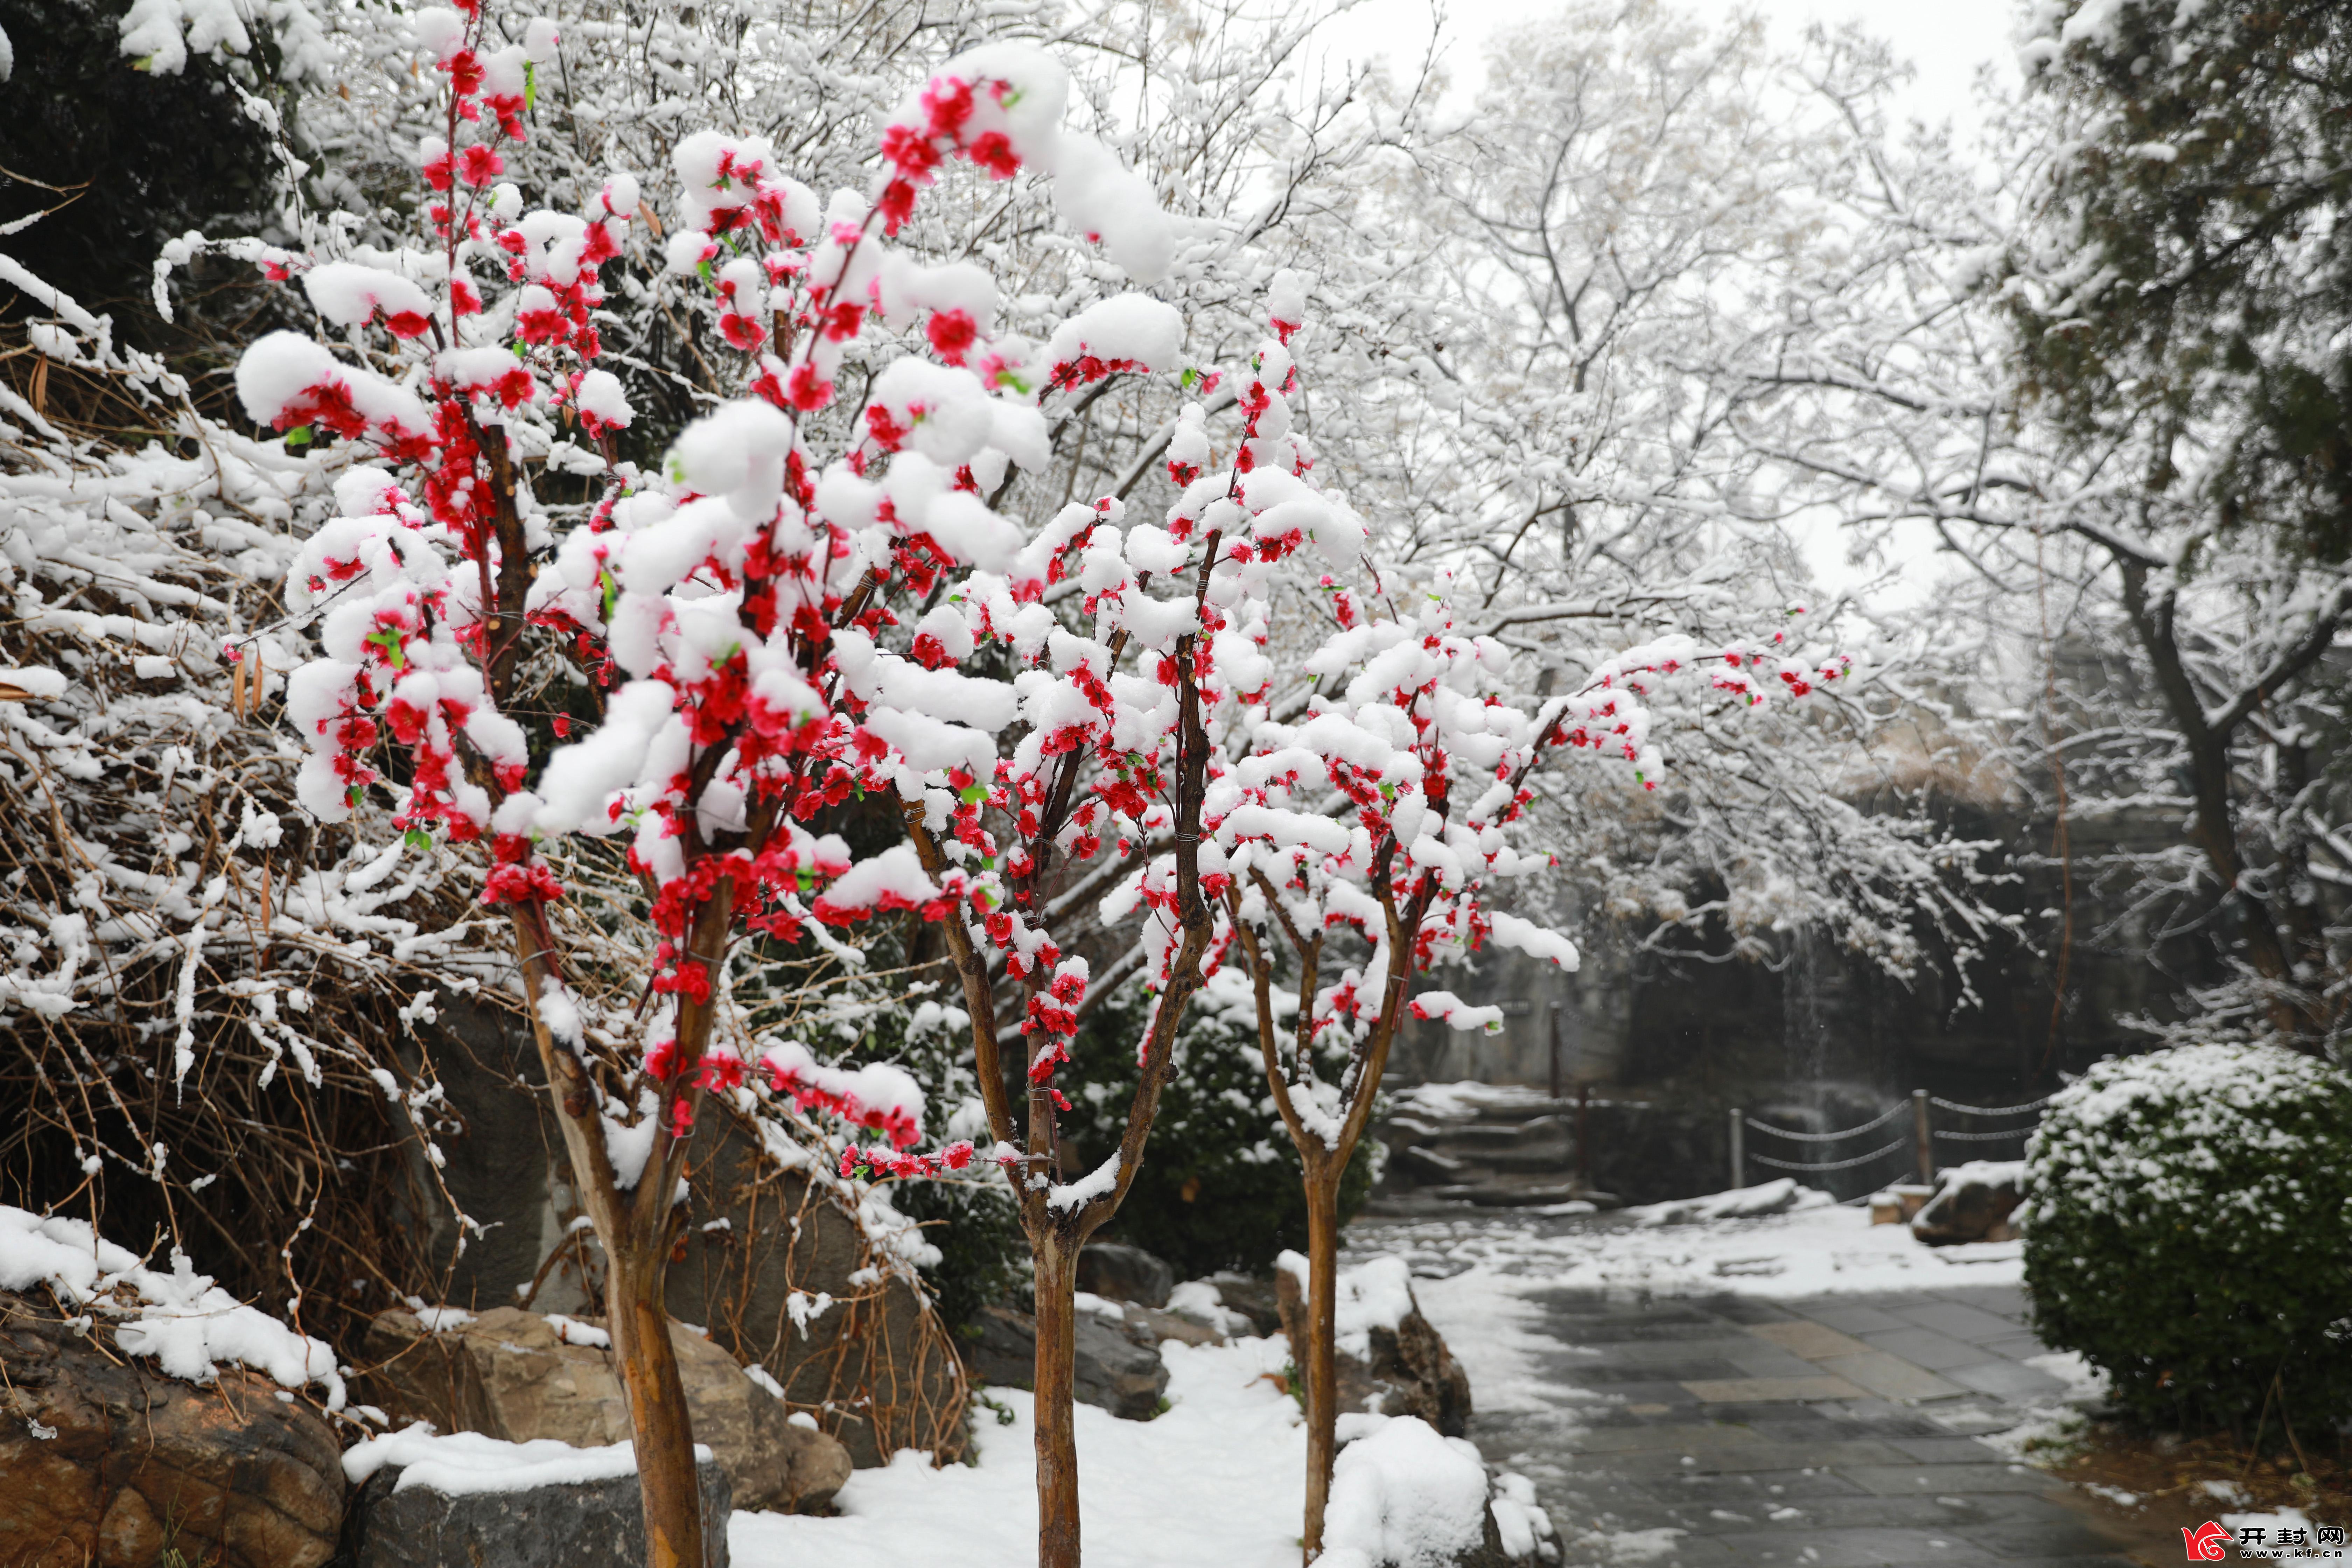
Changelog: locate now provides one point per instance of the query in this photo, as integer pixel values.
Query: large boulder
(1112, 1370)
(470, 1504)
(1972, 1203)
(784, 1269)
(522, 1376)
(1116, 1272)
(1392, 1361)
(105, 1462)
(790, 1278)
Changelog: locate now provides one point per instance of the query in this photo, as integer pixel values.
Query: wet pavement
(1835, 1432)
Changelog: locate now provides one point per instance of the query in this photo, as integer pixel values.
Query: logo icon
(2205, 1543)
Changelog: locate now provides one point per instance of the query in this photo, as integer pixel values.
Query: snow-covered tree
(1645, 212)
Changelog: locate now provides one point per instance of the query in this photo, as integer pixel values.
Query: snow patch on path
(1820, 1250)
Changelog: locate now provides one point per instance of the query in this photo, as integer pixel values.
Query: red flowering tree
(775, 623)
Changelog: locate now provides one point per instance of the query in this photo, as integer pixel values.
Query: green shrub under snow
(2188, 1230)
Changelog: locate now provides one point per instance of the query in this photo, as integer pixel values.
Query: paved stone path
(1832, 1433)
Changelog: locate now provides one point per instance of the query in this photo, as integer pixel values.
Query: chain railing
(1920, 1141)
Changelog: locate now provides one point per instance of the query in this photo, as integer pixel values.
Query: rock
(1972, 1203)
(1407, 1370)
(1898, 1204)
(1149, 1326)
(777, 1265)
(105, 1462)
(520, 1375)
(790, 1280)
(584, 1524)
(1112, 1371)
(1119, 1273)
(1252, 1299)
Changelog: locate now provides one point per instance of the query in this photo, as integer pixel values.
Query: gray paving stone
(1746, 1310)
(1849, 1317)
(1662, 1353)
(1891, 1376)
(1947, 1450)
(1924, 1347)
(1664, 1437)
(2017, 1345)
(1959, 1320)
(1612, 1378)
(2007, 1380)
(2003, 1300)
(1760, 1358)
(1843, 1547)
(1934, 1480)
(2061, 1534)
(1862, 1512)
(1809, 1384)
(1755, 1487)
(1814, 1342)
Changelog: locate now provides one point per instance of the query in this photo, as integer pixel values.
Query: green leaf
(417, 839)
(974, 793)
(612, 595)
(299, 437)
(391, 643)
(530, 84)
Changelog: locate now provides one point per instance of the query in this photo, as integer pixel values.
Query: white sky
(1946, 39)
(1947, 42)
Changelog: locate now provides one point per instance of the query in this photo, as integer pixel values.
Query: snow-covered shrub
(1221, 1189)
(2188, 1230)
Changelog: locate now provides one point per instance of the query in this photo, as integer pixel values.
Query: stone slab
(1891, 1377)
(2017, 1345)
(2007, 1380)
(1758, 1390)
(1924, 1347)
(1960, 1320)
(1851, 1317)
(1843, 1548)
(1937, 1481)
(1814, 1342)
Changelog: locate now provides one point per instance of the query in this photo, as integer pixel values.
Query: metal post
(1924, 1137)
(1555, 1054)
(1583, 1143)
(1738, 1147)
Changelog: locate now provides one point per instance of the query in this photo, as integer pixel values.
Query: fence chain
(1794, 1137)
(1938, 1099)
(1900, 1144)
(1987, 1137)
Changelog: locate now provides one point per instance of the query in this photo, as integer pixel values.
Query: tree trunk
(1055, 1252)
(1320, 1356)
(639, 1323)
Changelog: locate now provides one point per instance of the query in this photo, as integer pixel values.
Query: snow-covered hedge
(2188, 1230)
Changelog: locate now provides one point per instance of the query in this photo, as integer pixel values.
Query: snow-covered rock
(428, 1501)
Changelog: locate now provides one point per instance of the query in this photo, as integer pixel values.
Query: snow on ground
(1820, 1250)
(1218, 1479)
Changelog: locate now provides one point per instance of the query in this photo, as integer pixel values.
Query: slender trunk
(2215, 817)
(639, 1323)
(1056, 1257)
(1321, 1355)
